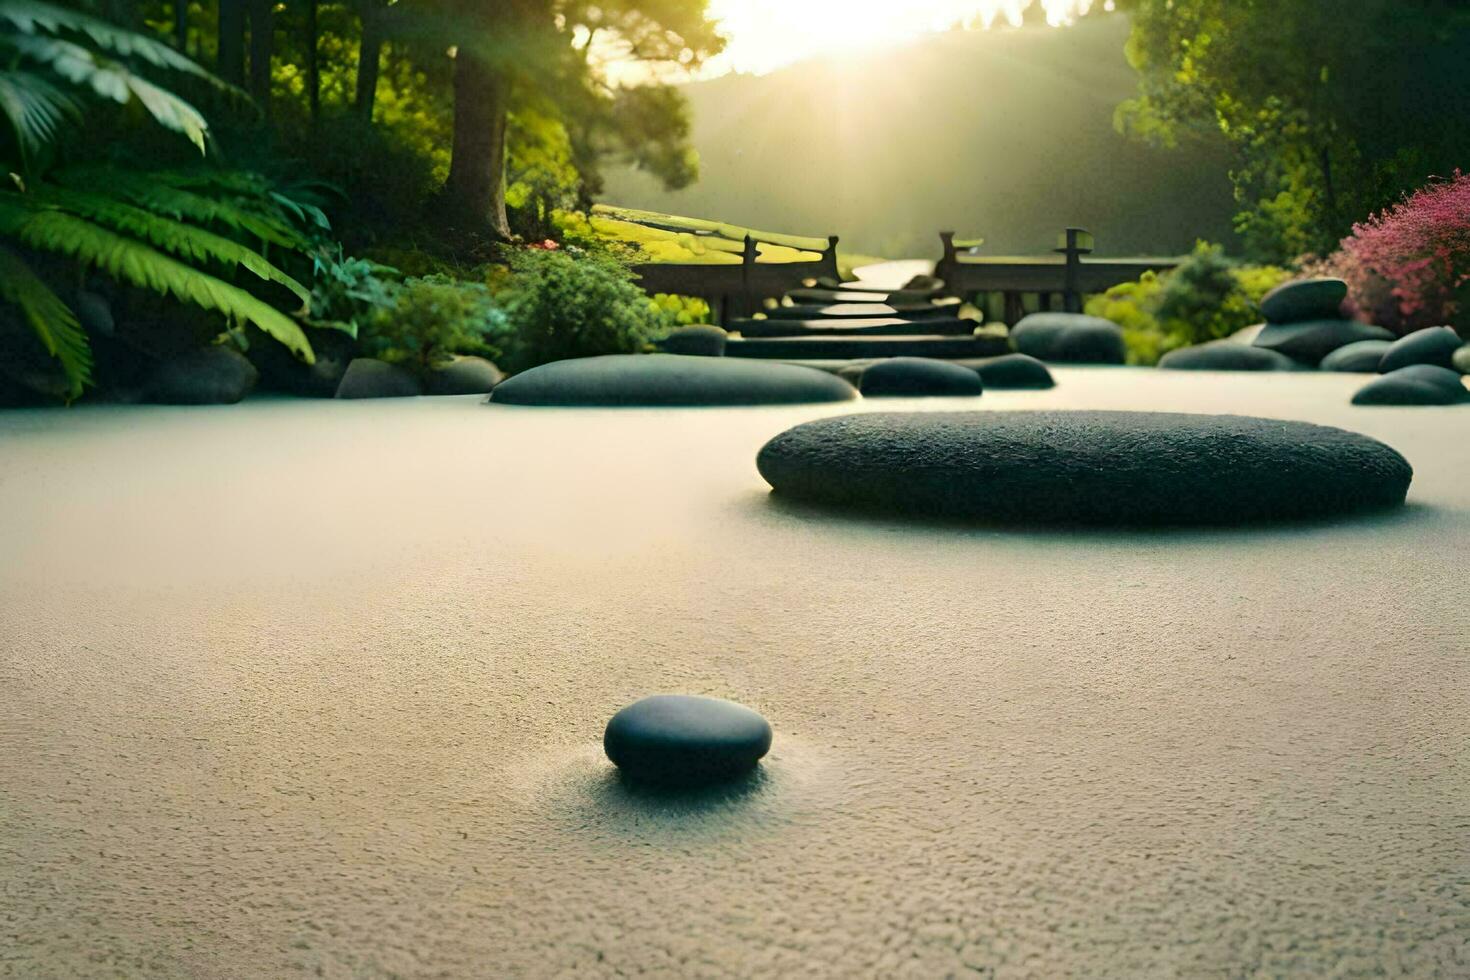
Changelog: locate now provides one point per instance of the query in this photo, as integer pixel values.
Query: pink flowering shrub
(1409, 267)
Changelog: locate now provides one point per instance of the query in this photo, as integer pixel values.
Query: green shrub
(675, 311)
(432, 319)
(559, 305)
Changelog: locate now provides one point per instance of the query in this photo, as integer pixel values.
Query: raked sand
(315, 688)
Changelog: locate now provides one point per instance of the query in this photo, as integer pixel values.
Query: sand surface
(315, 688)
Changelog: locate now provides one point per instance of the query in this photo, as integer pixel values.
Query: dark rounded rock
(207, 376)
(698, 340)
(897, 377)
(95, 312)
(367, 377)
(1461, 360)
(1434, 345)
(1069, 338)
(1305, 299)
(670, 379)
(281, 371)
(1362, 357)
(1417, 384)
(1309, 341)
(1226, 355)
(463, 375)
(681, 739)
(1011, 371)
(1104, 468)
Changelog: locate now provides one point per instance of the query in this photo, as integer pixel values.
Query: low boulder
(207, 376)
(281, 371)
(463, 375)
(1305, 299)
(368, 377)
(1011, 371)
(696, 340)
(1362, 357)
(1417, 384)
(652, 380)
(898, 377)
(1069, 338)
(1226, 355)
(1434, 345)
(1309, 341)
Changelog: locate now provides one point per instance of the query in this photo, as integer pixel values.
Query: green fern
(48, 230)
(55, 325)
(36, 110)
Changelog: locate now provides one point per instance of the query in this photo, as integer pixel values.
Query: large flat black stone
(669, 379)
(1103, 468)
(1069, 338)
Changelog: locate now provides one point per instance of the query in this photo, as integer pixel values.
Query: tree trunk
(262, 43)
(230, 61)
(181, 25)
(476, 184)
(369, 55)
(313, 67)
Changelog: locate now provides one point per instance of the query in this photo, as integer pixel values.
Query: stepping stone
(367, 377)
(1305, 299)
(463, 375)
(1011, 371)
(1417, 384)
(1226, 355)
(1360, 358)
(1069, 338)
(1434, 345)
(867, 347)
(207, 376)
(857, 311)
(1100, 468)
(684, 740)
(699, 340)
(876, 327)
(1310, 341)
(917, 377)
(669, 379)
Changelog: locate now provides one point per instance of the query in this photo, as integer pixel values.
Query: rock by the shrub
(1434, 345)
(1417, 384)
(1069, 338)
(207, 376)
(698, 340)
(463, 375)
(684, 740)
(367, 377)
(1309, 341)
(1010, 371)
(1359, 358)
(1461, 360)
(95, 312)
(281, 371)
(669, 379)
(1246, 335)
(1305, 299)
(1226, 355)
(897, 377)
(1084, 467)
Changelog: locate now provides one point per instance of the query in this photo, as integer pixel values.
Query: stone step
(897, 298)
(862, 348)
(878, 326)
(858, 311)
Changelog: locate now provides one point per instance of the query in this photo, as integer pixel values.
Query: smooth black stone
(1362, 357)
(1305, 299)
(1098, 468)
(1226, 355)
(1011, 371)
(1309, 341)
(866, 347)
(696, 340)
(669, 379)
(1069, 338)
(1417, 384)
(207, 376)
(1434, 345)
(463, 375)
(367, 377)
(686, 740)
(899, 377)
(281, 371)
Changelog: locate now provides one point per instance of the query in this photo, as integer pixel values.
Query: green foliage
(1208, 297)
(349, 292)
(676, 311)
(558, 305)
(432, 319)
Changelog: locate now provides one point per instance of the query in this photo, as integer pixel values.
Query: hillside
(1005, 134)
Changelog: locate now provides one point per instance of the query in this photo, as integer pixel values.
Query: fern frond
(56, 326)
(36, 110)
(114, 81)
(49, 230)
(185, 241)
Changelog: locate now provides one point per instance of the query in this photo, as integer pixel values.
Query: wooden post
(1078, 242)
(949, 260)
(1015, 308)
(748, 301)
(829, 259)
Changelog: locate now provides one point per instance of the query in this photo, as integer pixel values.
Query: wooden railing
(737, 289)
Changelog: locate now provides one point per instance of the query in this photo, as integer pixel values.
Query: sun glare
(767, 34)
